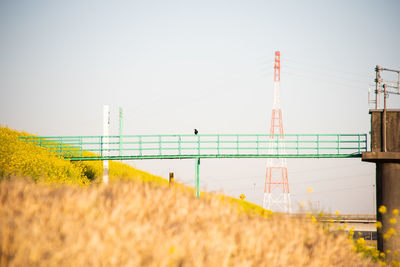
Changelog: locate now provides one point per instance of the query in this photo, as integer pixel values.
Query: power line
(241, 177)
(314, 181)
(328, 74)
(331, 180)
(318, 66)
(335, 190)
(330, 82)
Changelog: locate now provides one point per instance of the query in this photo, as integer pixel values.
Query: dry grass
(132, 223)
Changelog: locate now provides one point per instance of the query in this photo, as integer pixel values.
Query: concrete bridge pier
(385, 153)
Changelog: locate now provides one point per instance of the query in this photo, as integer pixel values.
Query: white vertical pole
(106, 131)
(120, 131)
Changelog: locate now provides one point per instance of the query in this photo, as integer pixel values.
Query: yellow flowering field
(18, 158)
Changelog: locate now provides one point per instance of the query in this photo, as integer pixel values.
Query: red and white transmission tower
(276, 190)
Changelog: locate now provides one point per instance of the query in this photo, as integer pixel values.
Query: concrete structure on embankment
(385, 153)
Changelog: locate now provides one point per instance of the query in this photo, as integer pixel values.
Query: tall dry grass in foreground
(136, 224)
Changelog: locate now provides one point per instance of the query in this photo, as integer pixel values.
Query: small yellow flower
(378, 225)
(393, 221)
(313, 219)
(388, 251)
(171, 250)
(395, 212)
(361, 241)
(303, 203)
(391, 231)
(382, 255)
(382, 209)
(337, 212)
(310, 190)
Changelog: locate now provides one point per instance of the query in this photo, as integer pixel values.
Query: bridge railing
(206, 145)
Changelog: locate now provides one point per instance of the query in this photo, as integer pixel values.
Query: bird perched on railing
(196, 132)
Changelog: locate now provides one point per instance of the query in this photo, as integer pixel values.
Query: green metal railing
(80, 148)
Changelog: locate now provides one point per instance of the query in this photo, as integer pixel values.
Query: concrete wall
(387, 173)
(392, 130)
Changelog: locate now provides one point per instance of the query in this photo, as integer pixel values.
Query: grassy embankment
(130, 222)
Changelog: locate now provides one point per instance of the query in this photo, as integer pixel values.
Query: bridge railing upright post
(101, 146)
(140, 145)
(80, 146)
(258, 145)
(159, 145)
(237, 144)
(180, 145)
(218, 144)
(60, 147)
(277, 144)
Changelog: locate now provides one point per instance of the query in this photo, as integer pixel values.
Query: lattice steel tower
(276, 190)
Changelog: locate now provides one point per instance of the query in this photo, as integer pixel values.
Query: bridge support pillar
(385, 153)
(197, 177)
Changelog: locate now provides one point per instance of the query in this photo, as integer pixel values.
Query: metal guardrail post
(218, 146)
(101, 145)
(159, 145)
(198, 144)
(60, 147)
(258, 144)
(140, 146)
(179, 145)
(277, 145)
(80, 145)
(237, 144)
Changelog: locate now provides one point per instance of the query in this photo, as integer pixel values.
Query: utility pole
(377, 87)
(384, 120)
(389, 84)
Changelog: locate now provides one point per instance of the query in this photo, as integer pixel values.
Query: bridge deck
(80, 148)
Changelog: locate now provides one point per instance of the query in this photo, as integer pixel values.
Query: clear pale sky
(178, 65)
